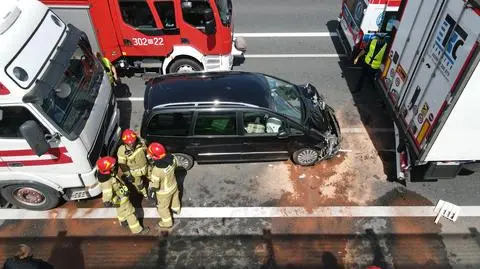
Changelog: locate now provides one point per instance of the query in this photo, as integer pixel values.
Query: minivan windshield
(286, 98)
(71, 100)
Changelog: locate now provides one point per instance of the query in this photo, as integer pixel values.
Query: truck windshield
(225, 9)
(285, 98)
(70, 102)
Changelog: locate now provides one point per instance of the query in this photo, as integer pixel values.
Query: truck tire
(185, 161)
(184, 66)
(474, 167)
(31, 196)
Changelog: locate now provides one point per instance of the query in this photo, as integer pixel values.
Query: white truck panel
(423, 72)
(459, 139)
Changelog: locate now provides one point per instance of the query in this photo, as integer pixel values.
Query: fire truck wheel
(31, 196)
(184, 66)
(184, 160)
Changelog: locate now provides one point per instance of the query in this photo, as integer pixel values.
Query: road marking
(324, 55)
(132, 99)
(243, 212)
(299, 34)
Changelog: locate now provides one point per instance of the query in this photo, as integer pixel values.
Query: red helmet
(156, 151)
(105, 165)
(129, 136)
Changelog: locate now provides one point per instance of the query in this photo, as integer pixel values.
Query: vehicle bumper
(218, 62)
(92, 187)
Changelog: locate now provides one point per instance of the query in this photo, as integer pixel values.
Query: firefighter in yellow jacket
(132, 160)
(163, 184)
(115, 194)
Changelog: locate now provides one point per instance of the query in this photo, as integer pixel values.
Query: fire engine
(360, 20)
(431, 86)
(156, 36)
(57, 109)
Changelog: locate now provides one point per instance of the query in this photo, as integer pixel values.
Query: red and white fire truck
(431, 83)
(166, 36)
(360, 20)
(57, 109)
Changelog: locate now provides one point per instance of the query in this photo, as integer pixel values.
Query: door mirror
(33, 133)
(186, 4)
(210, 26)
(282, 133)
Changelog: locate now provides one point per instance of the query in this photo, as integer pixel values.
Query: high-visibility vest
(108, 68)
(375, 61)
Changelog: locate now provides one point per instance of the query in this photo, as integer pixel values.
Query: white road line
(323, 55)
(244, 212)
(299, 34)
(133, 99)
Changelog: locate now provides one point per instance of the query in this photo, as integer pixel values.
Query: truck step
(151, 63)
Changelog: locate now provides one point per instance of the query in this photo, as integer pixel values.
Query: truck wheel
(305, 156)
(31, 196)
(184, 160)
(184, 66)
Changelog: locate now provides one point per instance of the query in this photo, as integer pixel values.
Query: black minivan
(233, 116)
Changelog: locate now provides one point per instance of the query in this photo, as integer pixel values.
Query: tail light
(3, 90)
(403, 161)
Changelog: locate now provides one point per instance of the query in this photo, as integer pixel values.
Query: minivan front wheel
(305, 156)
(183, 160)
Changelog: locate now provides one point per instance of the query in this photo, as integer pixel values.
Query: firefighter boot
(133, 224)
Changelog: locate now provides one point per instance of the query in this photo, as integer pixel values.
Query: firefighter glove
(151, 193)
(108, 204)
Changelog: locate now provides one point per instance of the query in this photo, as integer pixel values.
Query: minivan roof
(224, 86)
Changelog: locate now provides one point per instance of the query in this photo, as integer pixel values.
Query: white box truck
(431, 83)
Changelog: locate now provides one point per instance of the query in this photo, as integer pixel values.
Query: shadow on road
(67, 252)
(370, 107)
(123, 91)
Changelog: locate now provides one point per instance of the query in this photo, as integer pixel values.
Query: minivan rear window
(170, 124)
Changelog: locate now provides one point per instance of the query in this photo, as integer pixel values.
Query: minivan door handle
(195, 144)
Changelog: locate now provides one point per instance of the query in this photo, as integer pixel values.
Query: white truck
(57, 109)
(431, 82)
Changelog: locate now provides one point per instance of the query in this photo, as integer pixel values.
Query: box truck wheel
(31, 196)
(184, 66)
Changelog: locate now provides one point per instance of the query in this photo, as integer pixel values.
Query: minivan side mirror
(210, 26)
(33, 133)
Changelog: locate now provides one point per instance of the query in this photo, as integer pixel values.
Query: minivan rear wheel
(305, 156)
(185, 161)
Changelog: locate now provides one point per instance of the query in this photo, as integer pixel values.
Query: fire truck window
(195, 14)
(137, 14)
(12, 117)
(166, 13)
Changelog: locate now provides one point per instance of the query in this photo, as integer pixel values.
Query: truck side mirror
(35, 137)
(210, 26)
(186, 4)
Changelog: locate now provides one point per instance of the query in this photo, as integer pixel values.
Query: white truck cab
(57, 109)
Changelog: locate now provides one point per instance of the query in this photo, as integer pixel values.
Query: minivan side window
(216, 123)
(257, 123)
(170, 124)
(11, 118)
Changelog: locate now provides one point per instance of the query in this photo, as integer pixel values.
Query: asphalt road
(356, 177)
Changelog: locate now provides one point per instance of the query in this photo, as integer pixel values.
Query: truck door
(17, 155)
(193, 30)
(142, 32)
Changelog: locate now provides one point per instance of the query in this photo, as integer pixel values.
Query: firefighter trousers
(165, 201)
(126, 212)
(139, 185)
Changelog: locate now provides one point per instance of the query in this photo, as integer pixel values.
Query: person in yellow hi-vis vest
(163, 184)
(132, 160)
(373, 59)
(115, 194)
(109, 68)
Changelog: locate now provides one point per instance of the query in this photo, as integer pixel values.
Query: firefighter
(132, 160)
(373, 58)
(163, 184)
(110, 69)
(115, 194)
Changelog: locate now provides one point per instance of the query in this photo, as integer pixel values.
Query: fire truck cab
(57, 109)
(360, 20)
(166, 36)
